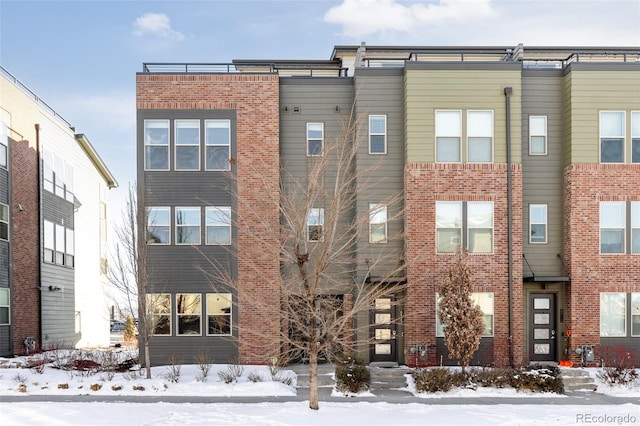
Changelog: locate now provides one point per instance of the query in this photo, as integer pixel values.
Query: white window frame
(635, 227)
(603, 135)
(58, 172)
(5, 303)
(152, 223)
(635, 135)
(149, 144)
(474, 134)
(537, 134)
(59, 252)
(471, 226)
(69, 248)
(4, 222)
(544, 222)
(218, 217)
(487, 317)
(209, 312)
(314, 139)
(603, 328)
(49, 233)
(312, 214)
(47, 171)
(219, 124)
(441, 133)
(68, 182)
(444, 224)
(378, 218)
(620, 227)
(373, 134)
(4, 145)
(185, 124)
(635, 312)
(152, 309)
(179, 226)
(196, 313)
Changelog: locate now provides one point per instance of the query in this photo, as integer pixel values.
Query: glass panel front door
(542, 327)
(383, 330)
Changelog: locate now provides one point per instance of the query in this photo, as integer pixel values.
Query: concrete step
(388, 378)
(326, 374)
(575, 379)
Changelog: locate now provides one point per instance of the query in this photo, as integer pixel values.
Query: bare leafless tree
(461, 318)
(326, 286)
(128, 272)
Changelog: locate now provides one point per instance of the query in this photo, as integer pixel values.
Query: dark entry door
(542, 327)
(383, 330)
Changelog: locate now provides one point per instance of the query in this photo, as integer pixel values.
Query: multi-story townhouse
(526, 157)
(54, 197)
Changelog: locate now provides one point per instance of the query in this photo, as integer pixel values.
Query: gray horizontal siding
(382, 176)
(58, 307)
(57, 210)
(185, 349)
(543, 181)
(6, 349)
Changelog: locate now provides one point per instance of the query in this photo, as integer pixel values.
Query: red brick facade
(255, 98)
(425, 184)
(586, 185)
(25, 232)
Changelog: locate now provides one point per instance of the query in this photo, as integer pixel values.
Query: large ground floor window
(620, 314)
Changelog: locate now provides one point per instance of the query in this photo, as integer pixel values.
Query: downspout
(39, 239)
(507, 95)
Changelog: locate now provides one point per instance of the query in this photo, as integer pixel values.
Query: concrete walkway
(389, 396)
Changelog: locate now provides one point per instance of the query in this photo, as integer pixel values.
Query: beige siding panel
(430, 90)
(586, 94)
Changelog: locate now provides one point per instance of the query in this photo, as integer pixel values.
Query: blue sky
(81, 56)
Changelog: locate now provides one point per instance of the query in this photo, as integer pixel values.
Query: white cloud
(156, 24)
(363, 17)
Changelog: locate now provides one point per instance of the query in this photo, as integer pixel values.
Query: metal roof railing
(20, 85)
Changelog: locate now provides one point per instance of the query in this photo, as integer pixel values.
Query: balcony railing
(238, 67)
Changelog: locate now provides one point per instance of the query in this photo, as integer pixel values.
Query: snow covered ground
(359, 410)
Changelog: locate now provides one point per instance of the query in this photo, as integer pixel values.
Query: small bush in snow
(432, 379)
(618, 366)
(255, 377)
(351, 375)
(538, 379)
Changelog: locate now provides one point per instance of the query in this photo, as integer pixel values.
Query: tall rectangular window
(612, 135)
(537, 223)
(159, 308)
(479, 136)
(188, 225)
(377, 223)
(480, 226)
(635, 314)
(448, 226)
(315, 139)
(612, 226)
(156, 144)
(4, 143)
(69, 252)
(217, 145)
(377, 134)
(219, 308)
(158, 225)
(47, 170)
(58, 178)
(538, 135)
(315, 224)
(187, 139)
(635, 136)
(68, 182)
(59, 256)
(448, 136)
(635, 227)
(218, 225)
(189, 314)
(4, 222)
(613, 314)
(49, 241)
(4, 307)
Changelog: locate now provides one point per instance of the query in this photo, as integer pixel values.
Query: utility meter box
(588, 353)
